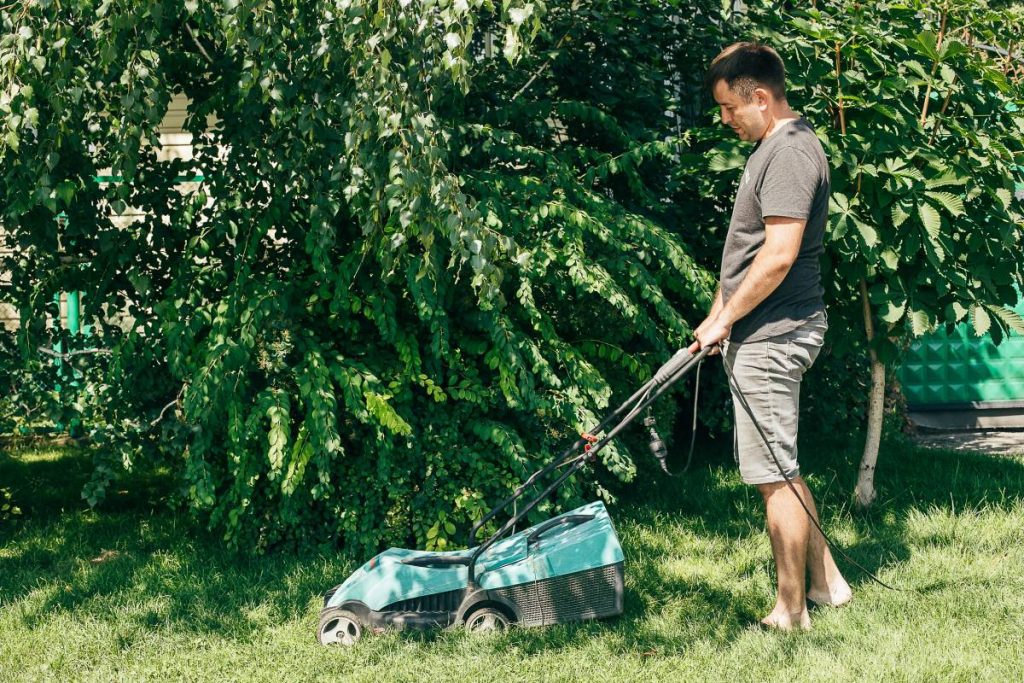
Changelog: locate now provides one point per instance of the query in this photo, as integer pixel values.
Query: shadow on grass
(711, 502)
(135, 562)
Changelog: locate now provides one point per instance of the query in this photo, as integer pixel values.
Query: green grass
(133, 592)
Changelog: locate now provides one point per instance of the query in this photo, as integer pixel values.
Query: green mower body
(569, 568)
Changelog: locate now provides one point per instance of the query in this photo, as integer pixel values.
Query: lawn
(133, 592)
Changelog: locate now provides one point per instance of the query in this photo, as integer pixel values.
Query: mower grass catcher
(568, 568)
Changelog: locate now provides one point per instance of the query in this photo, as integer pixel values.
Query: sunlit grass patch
(132, 591)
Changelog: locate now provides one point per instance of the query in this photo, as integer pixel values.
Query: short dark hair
(746, 66)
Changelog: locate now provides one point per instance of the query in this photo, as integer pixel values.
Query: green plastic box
(961, 370)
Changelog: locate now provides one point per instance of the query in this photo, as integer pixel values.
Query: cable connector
(657, 445)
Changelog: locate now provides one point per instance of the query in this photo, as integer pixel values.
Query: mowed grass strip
(133, 592)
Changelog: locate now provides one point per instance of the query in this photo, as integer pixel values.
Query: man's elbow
(781, 264)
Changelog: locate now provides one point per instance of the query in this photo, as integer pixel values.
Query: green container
(961, 370)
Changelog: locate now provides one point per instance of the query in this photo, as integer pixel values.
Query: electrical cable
(792, 487)
(644, 398)
(693, 427)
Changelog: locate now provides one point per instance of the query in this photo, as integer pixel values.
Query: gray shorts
(769, 373)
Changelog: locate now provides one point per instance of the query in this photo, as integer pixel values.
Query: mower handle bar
(667, 375)
(681, 360)
(437, 561)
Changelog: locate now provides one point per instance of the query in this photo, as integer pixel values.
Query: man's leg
(765, 380)
(828, 587)
(787, 525)
(789, 531)
(769, 375)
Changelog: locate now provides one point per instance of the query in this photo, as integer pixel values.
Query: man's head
(748, 81)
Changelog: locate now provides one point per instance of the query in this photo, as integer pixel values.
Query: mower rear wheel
(338, 627)
(487, 620)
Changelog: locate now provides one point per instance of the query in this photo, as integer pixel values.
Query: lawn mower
(569, 568)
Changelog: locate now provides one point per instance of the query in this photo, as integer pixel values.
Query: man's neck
(779, 119)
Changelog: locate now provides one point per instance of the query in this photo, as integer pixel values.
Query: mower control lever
(552, 523)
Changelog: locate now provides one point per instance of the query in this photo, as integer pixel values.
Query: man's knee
(767, 490)
(771, 488)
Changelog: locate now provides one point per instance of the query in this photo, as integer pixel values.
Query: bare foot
(836, 595)
(783, 620)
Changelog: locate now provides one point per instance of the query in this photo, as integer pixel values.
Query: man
(769, 315)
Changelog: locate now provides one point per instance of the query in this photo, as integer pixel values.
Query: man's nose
(725, 117)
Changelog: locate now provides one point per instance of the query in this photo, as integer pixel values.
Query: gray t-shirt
(786, 175)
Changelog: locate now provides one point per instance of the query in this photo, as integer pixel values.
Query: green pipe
(58, 347)
(86, 329)
(74, 321)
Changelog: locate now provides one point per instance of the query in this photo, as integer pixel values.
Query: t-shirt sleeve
(790, 183)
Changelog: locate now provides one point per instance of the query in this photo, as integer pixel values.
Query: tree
(420, 258)
(914, 102)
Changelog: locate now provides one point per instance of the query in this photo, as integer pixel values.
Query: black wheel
(487, 620)
(338, 627)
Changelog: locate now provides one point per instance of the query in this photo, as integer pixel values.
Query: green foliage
(833, 393)
(919, 118)
(39, 392)
(8, 509)
(420, 259)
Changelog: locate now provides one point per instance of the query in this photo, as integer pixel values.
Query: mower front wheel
(338, 627)
(487, 620)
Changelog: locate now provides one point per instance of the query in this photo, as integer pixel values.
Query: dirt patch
(990, 441)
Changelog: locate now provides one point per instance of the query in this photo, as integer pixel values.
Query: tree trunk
(866, 479)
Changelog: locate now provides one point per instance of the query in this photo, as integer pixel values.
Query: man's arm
(771, 264)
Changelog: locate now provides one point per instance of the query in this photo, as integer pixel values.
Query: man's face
(747, 119)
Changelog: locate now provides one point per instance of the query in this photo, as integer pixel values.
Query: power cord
(693, 427)
(792, 487)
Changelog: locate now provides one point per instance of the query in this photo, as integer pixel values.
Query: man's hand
(710, 333)
(716, 310)
(705, 325)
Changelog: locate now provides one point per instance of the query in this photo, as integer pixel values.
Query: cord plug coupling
(657, 445)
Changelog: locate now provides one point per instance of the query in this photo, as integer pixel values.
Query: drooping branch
(199, 45)
(541, 69)
(164, 410)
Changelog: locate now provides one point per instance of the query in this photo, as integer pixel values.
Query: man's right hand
(716, 308)
(704, 325)
(701, 329)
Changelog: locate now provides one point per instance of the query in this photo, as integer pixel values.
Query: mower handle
(572, 520)
(667, 374)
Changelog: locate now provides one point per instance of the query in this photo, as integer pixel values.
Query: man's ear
(762, 98)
